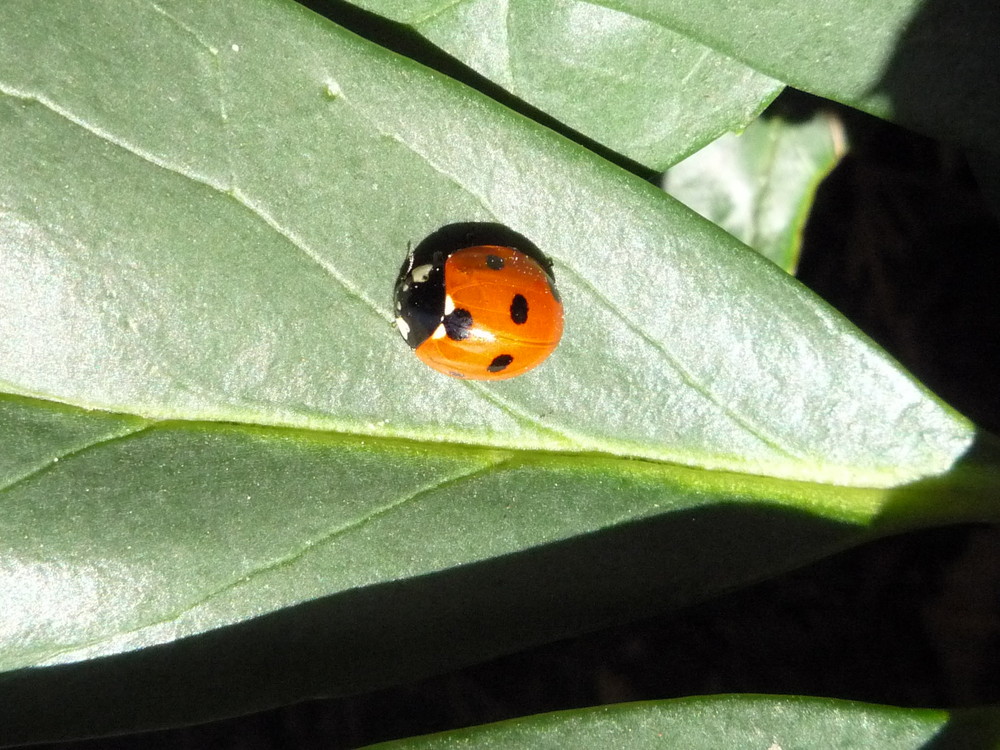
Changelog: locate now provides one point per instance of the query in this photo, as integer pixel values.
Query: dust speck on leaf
(333, 89)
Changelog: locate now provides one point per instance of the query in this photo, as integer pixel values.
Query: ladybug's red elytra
(486, 312)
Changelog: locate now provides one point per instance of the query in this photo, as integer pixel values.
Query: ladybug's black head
(419, 296)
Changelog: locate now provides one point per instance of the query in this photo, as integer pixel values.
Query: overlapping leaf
(634, 85)
(760, 184)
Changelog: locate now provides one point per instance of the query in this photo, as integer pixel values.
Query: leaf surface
(732, 721)
(634, 85)
(759, 185)
(132, 532)
(218, 241)
(928, 65)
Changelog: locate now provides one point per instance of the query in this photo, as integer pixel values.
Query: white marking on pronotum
(439, 332)
(403, 326)
(449, 305)
(420, 274)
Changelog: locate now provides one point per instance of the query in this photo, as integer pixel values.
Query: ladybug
(484, 313)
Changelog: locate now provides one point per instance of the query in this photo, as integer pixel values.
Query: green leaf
(928, 65)
(635, 86)
(203, 207)
(201, 519)
(224, 249)
(759, 185)
(121, 533)
(730, 721)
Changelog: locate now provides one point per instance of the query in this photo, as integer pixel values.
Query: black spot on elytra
(458, 324)
(494, 262)
(500, 363)
(519, 309)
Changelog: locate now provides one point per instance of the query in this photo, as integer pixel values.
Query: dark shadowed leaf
(741, 722)
(928, 64)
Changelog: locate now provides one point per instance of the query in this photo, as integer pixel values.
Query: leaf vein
(697, 64)
(233, 193)
(187, 28)
(347, 528)
(681, 31)
(430, 16)
(292, 557)
(58, 460)
(686, 376)
(509, 57)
